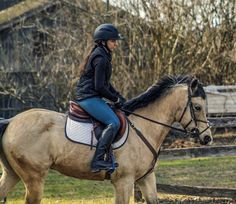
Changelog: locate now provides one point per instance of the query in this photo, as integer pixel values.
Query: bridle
(194, 132)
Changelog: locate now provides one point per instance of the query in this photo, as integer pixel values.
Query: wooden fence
(221, 100)
(198, 191)
(208, 151)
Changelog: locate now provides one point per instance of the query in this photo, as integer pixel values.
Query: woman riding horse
(94, 85)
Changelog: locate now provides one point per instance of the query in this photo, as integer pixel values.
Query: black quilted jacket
(95, 81)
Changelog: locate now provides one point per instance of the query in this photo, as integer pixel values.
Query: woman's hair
(85, 60)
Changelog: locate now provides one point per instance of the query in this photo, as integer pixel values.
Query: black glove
(122, 98)
(120, 102)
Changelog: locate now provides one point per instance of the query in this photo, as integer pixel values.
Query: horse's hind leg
(8, 180)
(148, 188)
(33, 179)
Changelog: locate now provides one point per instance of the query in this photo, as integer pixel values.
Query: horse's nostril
(207, 139)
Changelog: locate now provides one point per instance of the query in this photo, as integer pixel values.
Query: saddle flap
(123, 124)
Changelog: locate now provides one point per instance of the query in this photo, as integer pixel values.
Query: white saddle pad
(80, 132)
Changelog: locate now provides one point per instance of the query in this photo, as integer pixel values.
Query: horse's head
(193, 115)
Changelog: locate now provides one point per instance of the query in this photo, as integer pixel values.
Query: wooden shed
(20, 38)
(4, 4)
(41, 44)
(21, 45)
(221, 100)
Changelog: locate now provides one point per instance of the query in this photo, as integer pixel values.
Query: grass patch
(63, 201)
(62, 187)
(214, 171)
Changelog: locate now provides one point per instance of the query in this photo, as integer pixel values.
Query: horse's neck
(164, 110)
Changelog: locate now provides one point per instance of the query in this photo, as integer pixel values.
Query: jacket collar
(106, 52)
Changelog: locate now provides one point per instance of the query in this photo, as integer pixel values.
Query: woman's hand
(120, 102)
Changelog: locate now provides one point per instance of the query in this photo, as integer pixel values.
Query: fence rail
(226, 122)
(197, 191)
(211, 151)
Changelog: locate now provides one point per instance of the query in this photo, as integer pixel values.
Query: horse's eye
(197, 107)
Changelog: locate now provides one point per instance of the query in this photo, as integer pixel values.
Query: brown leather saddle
(78, 114)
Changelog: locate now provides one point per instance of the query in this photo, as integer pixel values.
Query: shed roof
(24, 9)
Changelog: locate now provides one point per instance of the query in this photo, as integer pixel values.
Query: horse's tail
(8, 178)
(3, 125)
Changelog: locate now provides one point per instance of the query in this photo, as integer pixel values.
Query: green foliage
(62, 187)
(212, 172)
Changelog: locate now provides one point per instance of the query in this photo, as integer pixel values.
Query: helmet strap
(105, 45)
(102, 43)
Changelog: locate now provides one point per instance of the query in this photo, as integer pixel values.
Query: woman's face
(112, 44)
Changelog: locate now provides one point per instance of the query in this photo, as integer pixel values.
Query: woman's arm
(101, 86)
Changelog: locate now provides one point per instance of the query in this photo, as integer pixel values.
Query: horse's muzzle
(204, 140)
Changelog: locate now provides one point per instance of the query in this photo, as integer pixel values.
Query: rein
(193, 119)
(195, 132)
(155, 154)
(142, 137)
(154, 121)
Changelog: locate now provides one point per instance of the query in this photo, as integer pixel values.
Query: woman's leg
(97, 108)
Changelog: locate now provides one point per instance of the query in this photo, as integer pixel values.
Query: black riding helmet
(106, 32)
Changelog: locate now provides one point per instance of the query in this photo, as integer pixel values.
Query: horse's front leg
(123, 190)
(148, 188)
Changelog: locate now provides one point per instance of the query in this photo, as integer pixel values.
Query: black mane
(158, 89)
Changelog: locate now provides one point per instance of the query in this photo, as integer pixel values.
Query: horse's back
(35, 113)
(34, 124)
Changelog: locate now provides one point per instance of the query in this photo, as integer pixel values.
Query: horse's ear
(194, 85)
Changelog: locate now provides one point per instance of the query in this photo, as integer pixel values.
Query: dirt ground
(198, 201)
(181, 199)
(184, 199)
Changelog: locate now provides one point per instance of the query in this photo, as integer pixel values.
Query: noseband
(194, 133)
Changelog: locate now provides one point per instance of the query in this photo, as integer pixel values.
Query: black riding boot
(98, 162)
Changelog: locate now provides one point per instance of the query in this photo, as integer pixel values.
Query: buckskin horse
(34, 141)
